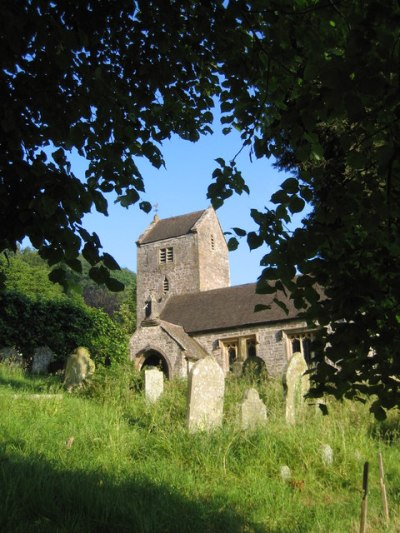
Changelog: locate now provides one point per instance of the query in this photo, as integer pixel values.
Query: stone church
(186, 308)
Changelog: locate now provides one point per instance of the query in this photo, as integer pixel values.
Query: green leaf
(75, 264)
(99, 274)
(100, 202)
(296, 204)
(110, 262)
(240, 232)
(254, 240)
(145, 206)
(57, 275)
(233, 244)
(291, 185)
(114, 285)
(279, 197)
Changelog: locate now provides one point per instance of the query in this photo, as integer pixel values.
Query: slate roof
(192, 347)
(225, 308)
(170, 227)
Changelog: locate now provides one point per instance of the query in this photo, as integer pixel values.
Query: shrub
(61, 325)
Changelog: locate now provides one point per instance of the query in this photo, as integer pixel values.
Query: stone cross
(153, 384)
(205, 395)
(296, 385)
(252, 411)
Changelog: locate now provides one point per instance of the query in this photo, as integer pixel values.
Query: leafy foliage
(312, 83)
(315, 85)
(25, 272)
(35, 312)
(109, 82)
(61, 325)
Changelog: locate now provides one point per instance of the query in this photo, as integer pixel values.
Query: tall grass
(105, 460)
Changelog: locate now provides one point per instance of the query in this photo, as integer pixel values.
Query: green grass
(134, 467)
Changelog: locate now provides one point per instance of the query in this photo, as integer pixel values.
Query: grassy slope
(134, 467)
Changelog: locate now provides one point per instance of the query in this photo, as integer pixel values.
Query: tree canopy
(311, 83)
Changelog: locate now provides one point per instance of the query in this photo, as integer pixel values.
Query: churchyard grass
(104, 459)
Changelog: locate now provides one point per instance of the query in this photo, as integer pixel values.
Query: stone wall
(182, 273)
(200, 263)
(271, 344)
(213, 253)
(155, 338)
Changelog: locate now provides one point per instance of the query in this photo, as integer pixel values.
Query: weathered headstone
(286, 473)
(205, 395)
(11, 355)
(252, 410)
(79, 368)
(153, 384)
(296, 384)
(42, 357)
(326, 454)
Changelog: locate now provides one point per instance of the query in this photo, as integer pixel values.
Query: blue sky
(182, 188)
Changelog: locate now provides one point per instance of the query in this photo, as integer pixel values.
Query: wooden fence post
(383, 488)
(364, 502)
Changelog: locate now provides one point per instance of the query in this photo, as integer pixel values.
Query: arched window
(147, 308)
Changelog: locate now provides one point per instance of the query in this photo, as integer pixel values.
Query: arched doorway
(153, 358)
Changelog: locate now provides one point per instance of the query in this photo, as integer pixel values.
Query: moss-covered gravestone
(296, 384)
(205, 395)
(80, 367)
(252, 411)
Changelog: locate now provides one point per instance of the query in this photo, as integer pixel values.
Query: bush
(61, 325)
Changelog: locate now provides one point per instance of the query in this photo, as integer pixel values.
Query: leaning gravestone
(296, 384)
(252, 411)
(205, 395)
(79, 368)
(42, 357)
(153, 384)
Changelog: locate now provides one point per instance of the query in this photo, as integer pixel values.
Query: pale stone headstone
(252, 410)
(286, 473)
(326, 454)
(79, 368)
(205, 395)
(42, 357)
(296, 384)
(153, 384)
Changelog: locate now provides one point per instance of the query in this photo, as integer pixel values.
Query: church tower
(179, 255)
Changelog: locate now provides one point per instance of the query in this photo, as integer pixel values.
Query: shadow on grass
(388, 430)
(36, 497)
(31, 384)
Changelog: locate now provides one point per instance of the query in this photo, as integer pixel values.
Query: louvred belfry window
(166, 255)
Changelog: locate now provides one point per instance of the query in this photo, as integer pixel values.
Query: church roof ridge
(225, 308)
(167, 228)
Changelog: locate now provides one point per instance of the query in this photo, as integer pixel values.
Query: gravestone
(296, 385)
(11, 355)
(205, 395)
(286, 473)
(326, 454)
(252, 411)
(42, 357)
(80, 367)
(153, 384)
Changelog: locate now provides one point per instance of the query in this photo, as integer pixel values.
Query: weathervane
(155, 207)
